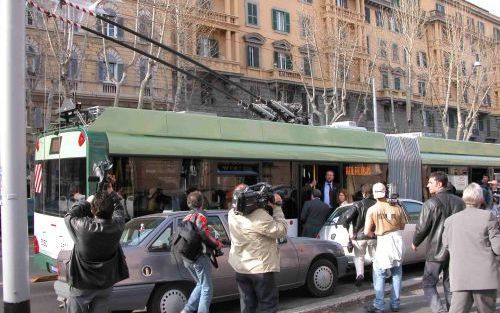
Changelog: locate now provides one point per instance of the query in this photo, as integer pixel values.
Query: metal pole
(16, 293)
(375, 113)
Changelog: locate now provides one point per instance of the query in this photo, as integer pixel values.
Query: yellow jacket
(254, 247)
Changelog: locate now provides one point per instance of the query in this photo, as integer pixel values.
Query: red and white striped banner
(38, 178)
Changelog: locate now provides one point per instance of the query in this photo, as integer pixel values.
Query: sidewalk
(354, 299)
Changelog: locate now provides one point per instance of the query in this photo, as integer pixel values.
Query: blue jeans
(201, 296)
(379, 276)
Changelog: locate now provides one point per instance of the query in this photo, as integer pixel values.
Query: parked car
(159, 281)
(338, 233)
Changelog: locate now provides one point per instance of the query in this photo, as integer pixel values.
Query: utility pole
(375, 113)
(16, 293)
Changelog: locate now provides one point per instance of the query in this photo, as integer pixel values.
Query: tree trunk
(50, 103)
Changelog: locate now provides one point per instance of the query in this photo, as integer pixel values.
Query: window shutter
(119, 34)
(287, 22)
(418, 58)
(98, 25)
(289, 64)
(275, 19)
(276, 59)
(101, 70)
(256, 57)
(120, 71)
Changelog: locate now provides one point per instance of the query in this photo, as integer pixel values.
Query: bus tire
(321, 278)
(168, 298)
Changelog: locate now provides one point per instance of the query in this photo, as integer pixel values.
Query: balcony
(380, 3)
(219, 64)
(343, 13)
(216, 18)
(108, 88)
(387, 92)
(282, 74)
(436, 15)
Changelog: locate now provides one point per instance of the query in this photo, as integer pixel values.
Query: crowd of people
(460, 232)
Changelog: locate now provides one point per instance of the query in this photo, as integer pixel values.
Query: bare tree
(60, 39)
(408, 19)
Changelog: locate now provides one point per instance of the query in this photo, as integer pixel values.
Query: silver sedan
(159, 282)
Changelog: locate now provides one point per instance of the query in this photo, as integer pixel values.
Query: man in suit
(330, 190)
(314, 214)
(472, 238)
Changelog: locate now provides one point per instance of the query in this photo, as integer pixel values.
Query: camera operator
(97, 260)
(254, 253)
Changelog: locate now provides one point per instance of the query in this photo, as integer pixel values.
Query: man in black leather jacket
(356, 215)
(97, 260)
(435, 211)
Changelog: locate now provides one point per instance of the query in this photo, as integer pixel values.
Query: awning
(456, 159)
(123, 144)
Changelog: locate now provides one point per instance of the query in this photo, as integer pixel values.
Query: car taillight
(37, 145)
(36, 246)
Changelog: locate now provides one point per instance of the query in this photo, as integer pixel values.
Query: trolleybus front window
(62, 183)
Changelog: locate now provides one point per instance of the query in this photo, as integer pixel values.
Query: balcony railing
(108, 88)
(219, 64)
(217, 17)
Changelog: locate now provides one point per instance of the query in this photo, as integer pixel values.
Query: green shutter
(287, 22)
(256, 57)
(289, 65)
(276, 61)
(248, 56)
(275, 21)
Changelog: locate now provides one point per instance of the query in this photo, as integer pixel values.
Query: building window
(114, 69)
(367, 14)
(252, 13)
(205, 4)
(32, 61)
(379, 18)
(342, 3)
(393, 25)
(387, 114)
(385, 80)
(480, 27)
(207, 47)
(487, 100)
(395, 53)
(421, 88)
(283, 60)
(422, 59)
(281, 21)
(73, 67)
(144, 26)
(31, 16)
(382, 49)
(367, 44)
(429, 119)
(307, 1)
(253, 56)
(307, 65)
(497, 34)
(470, 23)
(109, 29)
(452, 119)
(305, 25)
(397, 82)
(396, 3)
(440, 9)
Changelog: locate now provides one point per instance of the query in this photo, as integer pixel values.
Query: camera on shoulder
(257, 196)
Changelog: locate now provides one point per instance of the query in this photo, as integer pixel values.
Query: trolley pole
(16, 293)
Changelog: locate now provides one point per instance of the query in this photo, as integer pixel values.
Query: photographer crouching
(256, 222)
(97, 260)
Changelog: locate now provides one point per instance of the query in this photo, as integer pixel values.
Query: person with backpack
(195, 243)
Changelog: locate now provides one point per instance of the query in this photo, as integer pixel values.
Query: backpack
(187, 241)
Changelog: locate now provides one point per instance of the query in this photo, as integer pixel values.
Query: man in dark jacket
(97, 260)
(434, 212)
(314, 214)
(356, 216)
(330, 190)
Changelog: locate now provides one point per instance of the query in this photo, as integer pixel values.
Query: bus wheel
(321, 278)
(167, 299)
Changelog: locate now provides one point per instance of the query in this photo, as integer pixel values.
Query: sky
(491, 5)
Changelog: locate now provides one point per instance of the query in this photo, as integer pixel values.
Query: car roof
(168, 213)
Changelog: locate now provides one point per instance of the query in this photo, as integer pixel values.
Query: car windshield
(138, 229)
(334, 217)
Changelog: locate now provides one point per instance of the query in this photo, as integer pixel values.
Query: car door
(289, 262)
(413, 208)
(224, 276)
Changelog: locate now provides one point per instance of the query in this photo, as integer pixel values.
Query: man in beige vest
(386, 221)
(254, 254)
